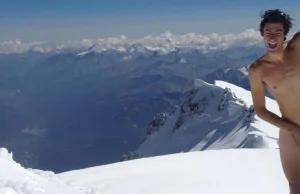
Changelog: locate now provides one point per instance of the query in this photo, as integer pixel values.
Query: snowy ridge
(219, 116)
(232, 171)
(164, 43)
(14, 179)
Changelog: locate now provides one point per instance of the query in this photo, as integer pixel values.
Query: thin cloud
(16, 46)
(35, 131)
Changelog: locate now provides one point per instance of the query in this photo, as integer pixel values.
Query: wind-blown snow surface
(219, 116)
(210, 172)
(14, 179)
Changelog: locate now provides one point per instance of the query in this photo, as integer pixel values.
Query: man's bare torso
(282, 79)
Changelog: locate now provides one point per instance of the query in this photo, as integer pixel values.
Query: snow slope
(14, 179)
(210, 172)
(231, 171)
(215, 116)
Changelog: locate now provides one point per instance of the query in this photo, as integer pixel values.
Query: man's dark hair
(276, 16)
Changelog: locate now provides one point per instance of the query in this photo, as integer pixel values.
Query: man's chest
(283, 79)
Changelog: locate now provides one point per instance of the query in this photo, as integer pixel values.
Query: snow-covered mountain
(219, 116)
(231, 171)
(214, 120)
(104, 99)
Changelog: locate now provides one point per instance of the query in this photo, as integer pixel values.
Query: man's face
(273, 35)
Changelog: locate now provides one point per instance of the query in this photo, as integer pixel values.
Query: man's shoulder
(257, 65)
(294, 42)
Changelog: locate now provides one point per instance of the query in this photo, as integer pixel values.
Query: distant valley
(57, 106)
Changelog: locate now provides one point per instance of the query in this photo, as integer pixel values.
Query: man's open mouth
(272, 45)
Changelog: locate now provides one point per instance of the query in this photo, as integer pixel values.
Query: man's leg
(295, 188)
(290, 159)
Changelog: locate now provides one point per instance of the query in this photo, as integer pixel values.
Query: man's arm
(258, 97)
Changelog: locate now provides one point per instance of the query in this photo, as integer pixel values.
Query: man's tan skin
(279, 72)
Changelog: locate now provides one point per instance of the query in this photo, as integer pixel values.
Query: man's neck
(277, 56)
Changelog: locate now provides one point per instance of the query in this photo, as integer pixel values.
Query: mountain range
(104, 99)
(214, 143)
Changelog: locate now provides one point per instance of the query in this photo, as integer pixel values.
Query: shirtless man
(279, 71)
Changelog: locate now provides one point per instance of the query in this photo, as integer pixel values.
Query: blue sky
(57, 20)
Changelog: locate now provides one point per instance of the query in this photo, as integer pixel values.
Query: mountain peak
(213, 116)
